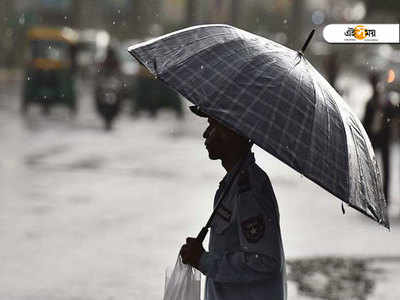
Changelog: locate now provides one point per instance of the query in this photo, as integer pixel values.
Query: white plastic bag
(183, 283)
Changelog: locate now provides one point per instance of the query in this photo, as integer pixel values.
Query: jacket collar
(249, 159)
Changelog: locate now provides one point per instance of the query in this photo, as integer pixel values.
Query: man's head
(221, 142)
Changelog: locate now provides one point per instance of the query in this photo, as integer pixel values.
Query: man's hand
(191, 252)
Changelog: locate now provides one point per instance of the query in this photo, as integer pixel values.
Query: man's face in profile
(218, 139)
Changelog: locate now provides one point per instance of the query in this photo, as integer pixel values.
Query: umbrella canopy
(274, 96)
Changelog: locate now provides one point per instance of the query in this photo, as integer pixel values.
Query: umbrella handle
(202, 234)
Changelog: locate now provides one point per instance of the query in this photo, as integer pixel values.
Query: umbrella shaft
(203, 232)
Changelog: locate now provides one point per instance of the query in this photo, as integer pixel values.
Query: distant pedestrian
(393, 116)
(111, 65)
(377, 123)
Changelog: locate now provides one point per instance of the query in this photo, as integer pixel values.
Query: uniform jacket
(245, 259)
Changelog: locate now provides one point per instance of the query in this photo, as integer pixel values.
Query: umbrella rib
(172, 34)
(369, 216)
(317, 179)
(315, 101)
(369, 206)
(260, 93)
(294, 162)
(252, 81)
(161, 41)
(359, 169)
(196, 54)
(238, 71)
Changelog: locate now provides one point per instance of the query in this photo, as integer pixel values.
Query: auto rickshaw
(49, 76)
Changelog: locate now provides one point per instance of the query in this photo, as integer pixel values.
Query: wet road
(90, 215)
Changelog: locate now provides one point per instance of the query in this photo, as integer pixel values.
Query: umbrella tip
(303, 49)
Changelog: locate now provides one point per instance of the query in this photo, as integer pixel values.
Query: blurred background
(102, 168)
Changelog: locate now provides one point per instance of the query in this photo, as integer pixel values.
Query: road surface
(86, 214)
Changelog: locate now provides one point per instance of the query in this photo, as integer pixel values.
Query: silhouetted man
(245, 258)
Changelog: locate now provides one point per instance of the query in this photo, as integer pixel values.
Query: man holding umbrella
(245, 258)
(252, 88)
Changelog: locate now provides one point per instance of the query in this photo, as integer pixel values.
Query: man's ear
(226, 134)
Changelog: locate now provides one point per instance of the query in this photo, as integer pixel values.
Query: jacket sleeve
(259, 256)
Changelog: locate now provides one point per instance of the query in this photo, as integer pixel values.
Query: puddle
(333, 278)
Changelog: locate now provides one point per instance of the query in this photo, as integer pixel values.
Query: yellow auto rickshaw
(50, 63)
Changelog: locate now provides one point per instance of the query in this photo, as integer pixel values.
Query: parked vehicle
(144, 92)
(153, 95)
(50, 68)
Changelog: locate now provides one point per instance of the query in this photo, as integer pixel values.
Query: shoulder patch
(253, 228)
(243, 181)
